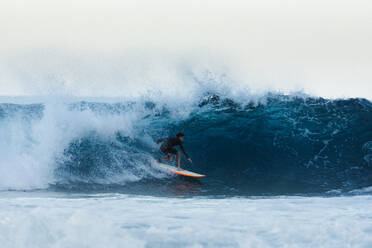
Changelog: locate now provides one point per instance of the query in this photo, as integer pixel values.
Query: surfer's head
(180, 136)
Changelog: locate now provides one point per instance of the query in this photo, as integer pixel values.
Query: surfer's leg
(171, 151)
(164, 150)
(179, 160)
(167, 158)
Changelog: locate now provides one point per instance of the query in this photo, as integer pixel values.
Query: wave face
(282, 144)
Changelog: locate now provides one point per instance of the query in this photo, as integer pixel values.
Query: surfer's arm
(160, 140)
(184, 152)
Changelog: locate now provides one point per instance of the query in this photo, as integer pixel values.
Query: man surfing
(168, 150)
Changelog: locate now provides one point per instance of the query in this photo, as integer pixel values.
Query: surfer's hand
(189, 160)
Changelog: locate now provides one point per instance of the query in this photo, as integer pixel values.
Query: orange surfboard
(179, 172)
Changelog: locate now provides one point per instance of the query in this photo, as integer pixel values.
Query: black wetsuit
(169, 143)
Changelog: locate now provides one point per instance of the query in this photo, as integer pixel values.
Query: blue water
(282, 171)
(284, 145)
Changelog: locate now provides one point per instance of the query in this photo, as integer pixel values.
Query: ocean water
(282, 171)
(119, 220)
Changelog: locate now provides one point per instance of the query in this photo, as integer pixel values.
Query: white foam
(132, 221)
(365, 190)
(30, 149)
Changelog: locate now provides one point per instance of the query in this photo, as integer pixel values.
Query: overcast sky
(322, 47)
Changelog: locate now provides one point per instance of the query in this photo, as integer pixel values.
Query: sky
(107, 48)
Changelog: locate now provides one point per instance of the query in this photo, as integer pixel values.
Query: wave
(279, 144)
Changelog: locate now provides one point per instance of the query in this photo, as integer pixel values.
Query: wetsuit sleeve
(160, 140)
(183, 150)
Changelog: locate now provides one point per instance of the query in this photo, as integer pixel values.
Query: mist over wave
(160, 74)
(269, 144)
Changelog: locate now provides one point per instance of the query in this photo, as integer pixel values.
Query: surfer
(167, 148)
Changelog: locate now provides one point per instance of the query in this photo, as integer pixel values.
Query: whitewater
(117, 220)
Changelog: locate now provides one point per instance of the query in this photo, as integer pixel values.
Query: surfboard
(179, 172)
